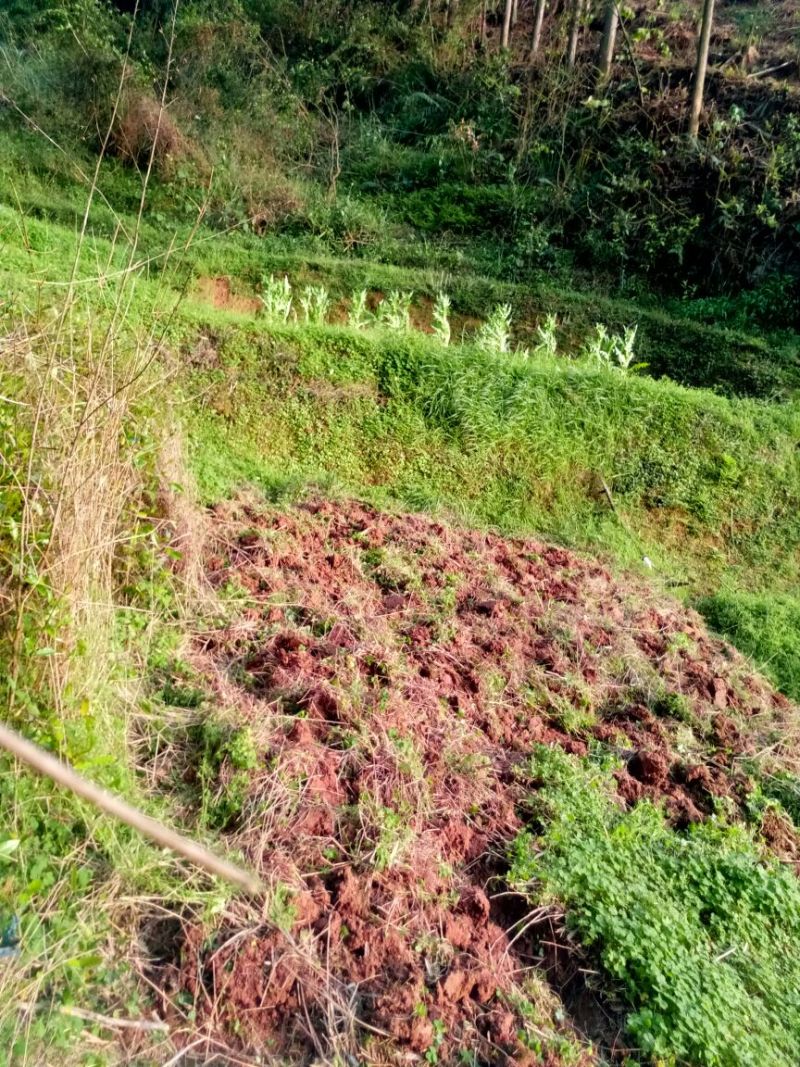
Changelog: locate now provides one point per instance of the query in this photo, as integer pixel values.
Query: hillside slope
(376, 408)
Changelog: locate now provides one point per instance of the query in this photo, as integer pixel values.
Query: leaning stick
(151, 1026)
(64, 775)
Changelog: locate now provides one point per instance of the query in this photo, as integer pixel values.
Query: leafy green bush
(785, 788)
(766, 627)
(464, 208)
(700, 936)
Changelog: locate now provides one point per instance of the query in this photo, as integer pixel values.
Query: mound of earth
(395, 674)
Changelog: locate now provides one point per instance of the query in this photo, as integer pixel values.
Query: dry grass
(146, 131)
(96, 499)
(82, 470)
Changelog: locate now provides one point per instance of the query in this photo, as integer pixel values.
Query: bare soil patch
(395, 673)
(218, 293)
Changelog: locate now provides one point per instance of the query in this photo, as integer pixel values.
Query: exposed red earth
(395, 673)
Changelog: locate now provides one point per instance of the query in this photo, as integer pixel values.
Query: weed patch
(698, 933)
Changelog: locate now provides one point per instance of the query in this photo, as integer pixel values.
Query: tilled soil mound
(395, 674)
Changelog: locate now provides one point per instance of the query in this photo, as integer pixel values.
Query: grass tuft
(764, 626)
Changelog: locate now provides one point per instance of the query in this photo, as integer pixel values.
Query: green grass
(766, 627)
(699, 936)
(705, 486)
(45, 196)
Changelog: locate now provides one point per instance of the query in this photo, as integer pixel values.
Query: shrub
(146, 129)
(473, 209)
(347, 222)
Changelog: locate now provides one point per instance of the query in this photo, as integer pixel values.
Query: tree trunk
(701, 69)
(483, 22)
(506, 38)
(575, 32)
(609, 41)
(514, 13)
(538, 22)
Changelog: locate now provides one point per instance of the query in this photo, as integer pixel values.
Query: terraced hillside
(400, 495)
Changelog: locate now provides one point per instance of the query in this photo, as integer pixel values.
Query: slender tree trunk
(506, 38)
(538, 22)
(701, 69)
(575, 32)
(609, 39)
(483, 22)
(514, 13)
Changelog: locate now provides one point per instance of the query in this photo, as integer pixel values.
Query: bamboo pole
(701, 69)
(575, 32)
(506, 37)
(541, 6)
(47, 764)
(609, 38)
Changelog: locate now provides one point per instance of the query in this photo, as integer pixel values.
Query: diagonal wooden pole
(45, 763)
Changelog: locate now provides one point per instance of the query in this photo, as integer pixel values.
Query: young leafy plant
(359, 317)
(276, 298)
(315, 303)
(495, 334)
(395, 311)
(614, 351)
(547, 343)
(441, 318)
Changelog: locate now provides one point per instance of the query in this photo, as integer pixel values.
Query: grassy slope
(706, 486)
(42, 185)
(703, 485)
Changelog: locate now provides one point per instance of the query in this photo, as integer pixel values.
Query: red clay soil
(218, 293)
(395, 673)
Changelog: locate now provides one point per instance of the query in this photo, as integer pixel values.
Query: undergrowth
(45, 195)
(698, 933)
(87, 592)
